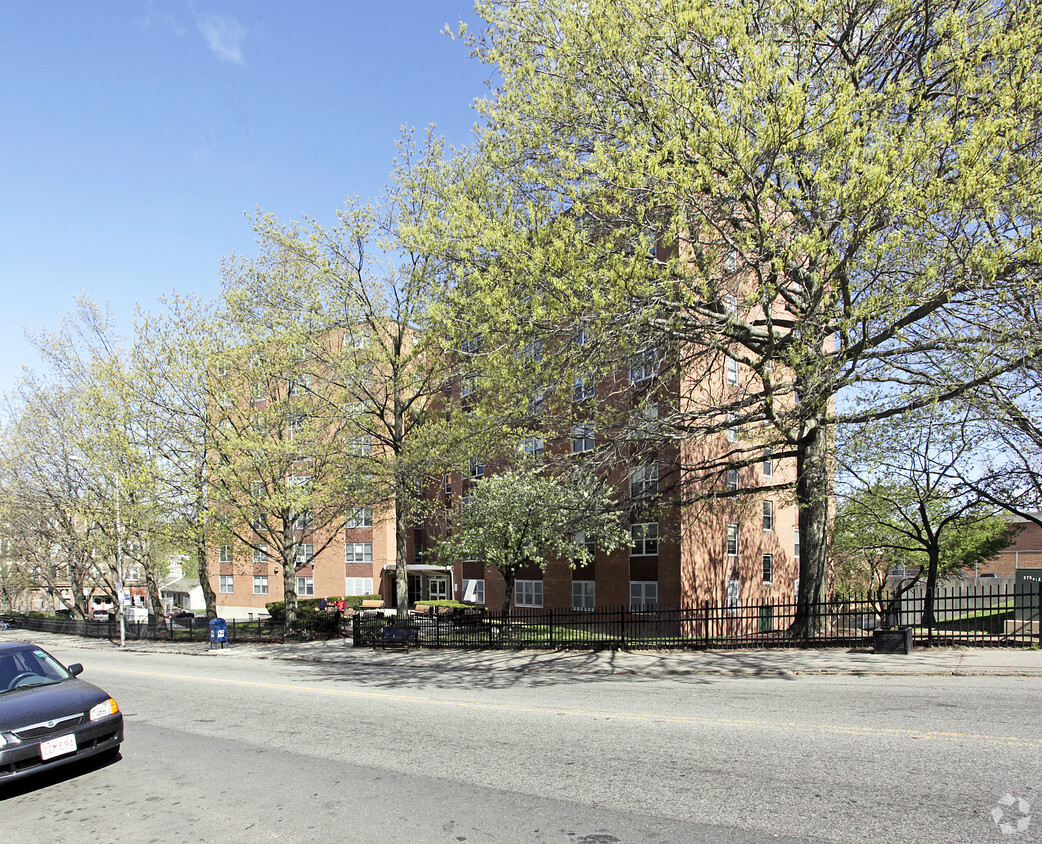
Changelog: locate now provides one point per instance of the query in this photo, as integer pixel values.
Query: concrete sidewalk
(937, 662)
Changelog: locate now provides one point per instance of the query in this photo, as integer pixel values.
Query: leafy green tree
(373, 288)
(524, 517)
(903, 503)
(841, 198)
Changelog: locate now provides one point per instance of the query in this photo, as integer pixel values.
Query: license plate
(57, 747)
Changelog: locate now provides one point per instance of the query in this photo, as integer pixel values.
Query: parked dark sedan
(47, 716)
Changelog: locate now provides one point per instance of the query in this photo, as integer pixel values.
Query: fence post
(550, 619)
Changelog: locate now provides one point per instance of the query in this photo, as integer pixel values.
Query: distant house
(1025, 552)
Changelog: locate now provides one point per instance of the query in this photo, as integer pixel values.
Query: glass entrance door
(438, 587)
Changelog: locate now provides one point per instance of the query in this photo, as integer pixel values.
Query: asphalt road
(242, 749)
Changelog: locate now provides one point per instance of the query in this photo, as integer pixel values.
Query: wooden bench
(372, 604)
(397, 637)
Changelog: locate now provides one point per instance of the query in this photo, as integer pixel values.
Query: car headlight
(104, 710)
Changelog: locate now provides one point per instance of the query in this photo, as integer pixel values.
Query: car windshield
(30, 667)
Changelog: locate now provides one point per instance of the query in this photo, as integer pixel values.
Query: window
(643, 595)
(260, 555)
(305, 551)
(361, 517)
(732, 371)
(358, 586)
(448, 485)
(583, 594)
(257, 522)
(298, 385)
(260, 585)
(224, 554)
(768, 465)
(532, 446)
(732, 540)
(643, 365)
(583, 438)
(227, 583)
(360, 446)
(768, 515)
(528, 593)
(588, 542)
(768, 568)
(359, 552)
(733, 595)
(474, 590)
(644, 539)
(582, 388)
(731, 261)
(732, 479)
(535, 402)
(644, 421)
(796, 546)
(477, 468)
(305, 587)
(471, 345)
(417, 556)
(644, 481)
(304, 521)
(534, 350)
(466, 385)
(731, 305)
(732, 430)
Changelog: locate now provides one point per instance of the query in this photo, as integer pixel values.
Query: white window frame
(226, 584)
(360, 446)
(532, 446)
(644, 365)
(476, 468)
(359, 517)
(583, 388)
(305, 587)
(260, 555)
(260, 584)
(305, 553)
(732, 480)
(224, 554)
(643, 595)
(768, 516)
(528, 593)
(768, 465)
(768, 568)
(644, 539)
(584, 438)
(584, 595)
(734, 595)
(644, 480)
(358, 552)
(732, 540)
(732, 371)
(358, 586)
(474, 590)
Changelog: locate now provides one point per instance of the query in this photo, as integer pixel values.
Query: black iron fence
(195, 629)
(998, 617)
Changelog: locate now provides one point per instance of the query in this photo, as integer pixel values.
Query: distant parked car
(48, 717)
(180, 614)
(101, 615)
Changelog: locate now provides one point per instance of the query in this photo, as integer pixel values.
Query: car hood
(45, 703)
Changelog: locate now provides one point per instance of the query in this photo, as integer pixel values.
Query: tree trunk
(812, 497)
(203, 569)
(509, 577)
(934, 554)
(289, 575)
(401, 561)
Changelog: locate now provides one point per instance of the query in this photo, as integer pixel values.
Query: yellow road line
(934, 735)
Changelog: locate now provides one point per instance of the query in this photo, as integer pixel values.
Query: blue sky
(136, 135)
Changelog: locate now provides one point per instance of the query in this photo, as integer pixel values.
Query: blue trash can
(218, 633)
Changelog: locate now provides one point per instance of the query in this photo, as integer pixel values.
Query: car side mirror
(75, 669)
